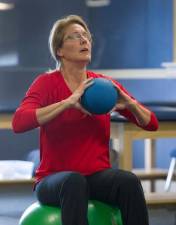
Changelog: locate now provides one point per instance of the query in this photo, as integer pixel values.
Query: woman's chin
(85, 60)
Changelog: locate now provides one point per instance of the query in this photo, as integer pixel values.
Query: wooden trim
(17, 181)
(6, 120)
(152, 174)
(165, 199)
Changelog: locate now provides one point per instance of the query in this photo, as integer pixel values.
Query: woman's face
(76, 45)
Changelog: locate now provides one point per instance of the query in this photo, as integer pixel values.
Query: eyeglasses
(78, 37)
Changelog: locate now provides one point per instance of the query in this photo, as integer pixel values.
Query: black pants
(71, 191)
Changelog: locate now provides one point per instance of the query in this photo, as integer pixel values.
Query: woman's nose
(83, 40)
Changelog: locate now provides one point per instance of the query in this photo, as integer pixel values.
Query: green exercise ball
(98, 214)
(102, 214)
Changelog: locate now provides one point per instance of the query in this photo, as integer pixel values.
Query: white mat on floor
(15, 169)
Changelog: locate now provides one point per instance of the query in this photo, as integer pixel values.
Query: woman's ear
(59, 52)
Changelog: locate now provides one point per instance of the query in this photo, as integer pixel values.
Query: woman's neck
(73, 74)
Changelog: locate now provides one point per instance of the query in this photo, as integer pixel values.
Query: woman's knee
(134, 181)
(75, 181)
(55, 186)
(129, 180)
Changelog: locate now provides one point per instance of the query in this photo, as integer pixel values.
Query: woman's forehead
(74, 28)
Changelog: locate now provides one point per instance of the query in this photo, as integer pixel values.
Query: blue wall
(132, 34)
(127, 33)
(163, 149)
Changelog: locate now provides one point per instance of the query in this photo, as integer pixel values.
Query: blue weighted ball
(100, 97)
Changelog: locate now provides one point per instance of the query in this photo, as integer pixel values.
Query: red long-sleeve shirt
(72, 141)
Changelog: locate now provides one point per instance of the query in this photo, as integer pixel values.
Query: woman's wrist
(132, 105)
(66, 103)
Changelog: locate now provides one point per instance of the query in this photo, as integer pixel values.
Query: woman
(74, 145)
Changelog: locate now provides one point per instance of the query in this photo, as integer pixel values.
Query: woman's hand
(141, 113)
(74, 99)
(124, 100)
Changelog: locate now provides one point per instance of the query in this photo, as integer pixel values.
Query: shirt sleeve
(24, 118)
(153, 123)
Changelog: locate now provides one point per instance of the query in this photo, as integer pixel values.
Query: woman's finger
(89, 84)
(79, 106)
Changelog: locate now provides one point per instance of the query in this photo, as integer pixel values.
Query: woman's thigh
(108, 184)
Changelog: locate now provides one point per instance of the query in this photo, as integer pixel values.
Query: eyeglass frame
(78, 36)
